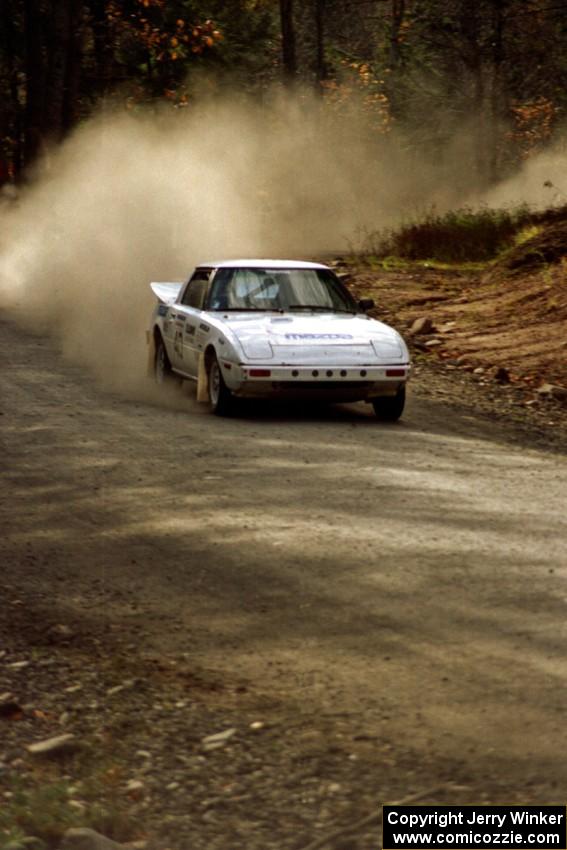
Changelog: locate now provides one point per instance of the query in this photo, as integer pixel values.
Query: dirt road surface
(411, 578)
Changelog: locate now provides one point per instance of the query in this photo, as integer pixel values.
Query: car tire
(163, 372)
(221, 399)
(390, 408)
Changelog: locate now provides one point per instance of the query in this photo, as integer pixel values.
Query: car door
(188, 322)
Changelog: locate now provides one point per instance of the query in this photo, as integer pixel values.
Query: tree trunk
(54, 30)
(72, 69)
(321, 68)
(103, 45)
(496, 92)
(471, 28)
(398, 12)
(34, 117)
(12, 66)
(288, 41)
(481, 130)
(394, 85)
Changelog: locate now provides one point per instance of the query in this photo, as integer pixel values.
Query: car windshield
(279, 290)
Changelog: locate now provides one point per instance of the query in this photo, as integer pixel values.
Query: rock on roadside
(423, 325)
(553, 391)
(54, 748)
(87, 839)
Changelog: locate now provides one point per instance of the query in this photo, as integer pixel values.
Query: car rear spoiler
(165, 292)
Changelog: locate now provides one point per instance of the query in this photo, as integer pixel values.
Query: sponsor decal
(190, 330)
(162, 310)
(319, 336)
(178, 344)
(205, 328)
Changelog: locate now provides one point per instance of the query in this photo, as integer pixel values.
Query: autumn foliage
(428, 68)
(164, 37)
(534, 123)
(356, 83)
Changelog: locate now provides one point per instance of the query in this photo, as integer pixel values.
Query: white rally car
(275, 328)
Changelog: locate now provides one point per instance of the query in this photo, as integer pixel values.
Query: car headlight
(386, 348)
(257, 349)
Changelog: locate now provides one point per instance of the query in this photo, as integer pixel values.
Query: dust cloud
(542, 182)
(131, 198)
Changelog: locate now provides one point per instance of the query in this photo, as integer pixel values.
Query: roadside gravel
(526, 417)
(167, 757)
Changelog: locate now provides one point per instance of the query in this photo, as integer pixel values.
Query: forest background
(426, 69)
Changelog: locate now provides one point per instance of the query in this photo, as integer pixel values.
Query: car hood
(315, 337)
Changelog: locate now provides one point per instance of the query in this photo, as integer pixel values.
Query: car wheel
(390, 408)
(222, 400)
(163, 371)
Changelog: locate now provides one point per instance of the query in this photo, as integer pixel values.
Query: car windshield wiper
(311, 307)
(320, 308)
(246, 310)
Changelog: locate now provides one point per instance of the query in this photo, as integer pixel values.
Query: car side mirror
(366, 304)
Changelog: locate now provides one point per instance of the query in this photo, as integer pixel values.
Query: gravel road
(411, 578)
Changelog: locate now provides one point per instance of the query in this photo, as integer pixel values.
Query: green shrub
(460, 236)
(36, 817)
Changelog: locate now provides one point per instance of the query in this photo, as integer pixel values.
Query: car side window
(219, 298)
(196, 289)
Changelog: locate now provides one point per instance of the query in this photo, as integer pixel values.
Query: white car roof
(263, 264)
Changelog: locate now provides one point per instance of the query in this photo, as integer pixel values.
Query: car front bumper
(329, 381)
